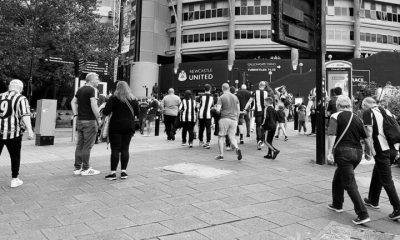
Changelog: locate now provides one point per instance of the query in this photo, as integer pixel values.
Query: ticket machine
(338, 74)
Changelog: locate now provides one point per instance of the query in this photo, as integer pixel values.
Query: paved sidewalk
(284, 198)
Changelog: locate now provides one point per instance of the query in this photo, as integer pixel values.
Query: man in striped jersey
(14, 107)
(206, 102)
(258, 97)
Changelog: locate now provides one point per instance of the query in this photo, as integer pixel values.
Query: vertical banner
(126, 28)
(115, 69)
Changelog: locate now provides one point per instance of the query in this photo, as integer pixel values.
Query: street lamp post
(145, 86)
(270, 75)
(301, 67)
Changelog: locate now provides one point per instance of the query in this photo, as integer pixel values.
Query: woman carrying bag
(123, 107)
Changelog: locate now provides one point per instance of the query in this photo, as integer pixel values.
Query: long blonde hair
(123, 92)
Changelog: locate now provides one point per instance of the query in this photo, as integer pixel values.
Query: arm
(136, 108)
(265, 116)
(248, 104)
(369, 149)
(24, 112)
(95, 108)
(74, 106)
(238, 110)
(218, 106)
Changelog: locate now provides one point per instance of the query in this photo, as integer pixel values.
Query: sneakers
(16, 182)
(228, 148)
(77, 171)
(361, 220)
(259, 145)
(201, 144)
(183, 144)
(190, 145)
(239, 154)
(276, 137)
(241, 141)
(124, 175)
(206, 146)
(395, 215)
(368, 203)
(89, 172)
(275, 153)
(219, 157)
(111, 177)
(286, 138)
(269, 156)
(338, 210)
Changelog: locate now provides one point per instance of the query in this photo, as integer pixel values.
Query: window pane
(219, 12)
(257, 2)
(190, 38)
(373, 15)
(185, 39)
(213, 36)
(268, 33)
(389, 17)
(257, 10)
(367, 13)
(202, 14)
(191, 7)
(264, 10)
(379, 38)
(243, 3)
(373, 37)
(196, 15)
(345, 12)
(207, 37)
(237, 10)
(368, 37)
(338, 35)
(201, 37)
(225, 35)
(373, 6)
(249, 34)
(263, 33)
(225, 12)
(250, 10)
(243, 34)
(202, 6)
(362, 36)
(395, 40)
(208, 13)
(390, 39)
(384, 39)
(379, 15)
(268, 9)
(191, 15)
(257, 34)
(338, 11)
(331, 3)
(352, 35)
(331, 34)
(395, 18)
(172, 41)
(219, 36)
(398, 17)
(243, 11)
(214, 13)
(172, 19)
(351, 12)
(383, 8)
(185, 16)
(213, 4)
(196, 38)
(237, 34)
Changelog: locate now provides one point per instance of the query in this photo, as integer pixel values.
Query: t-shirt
(153, 107)
(338, 123)
(122, 120)
(280, 116)
(13, 107)
(143, 107)
(243, 96)
(302, 114)
(229, 108)
(270, 118)
(170, 104)
(83, 96)
(332, 105)
(373, 117)
(259, 97)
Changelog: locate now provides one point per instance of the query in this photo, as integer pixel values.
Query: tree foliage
(32, 31)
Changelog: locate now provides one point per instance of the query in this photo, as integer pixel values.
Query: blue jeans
(347, 159)
(382, 177)
(87, 131)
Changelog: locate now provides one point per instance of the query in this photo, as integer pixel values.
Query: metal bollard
(157, 126)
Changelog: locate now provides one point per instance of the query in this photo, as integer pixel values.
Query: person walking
(244, 96)
(206, 103)
(382, 172)
(143, 109)
(302, 118)
(281, 118)
(151, 113)
(228, 107)
(84, 107)
(188, 117)
(169, 106)
(14, 112)
(346, 132)
(269, 128)
(258, 97)
(124, 108)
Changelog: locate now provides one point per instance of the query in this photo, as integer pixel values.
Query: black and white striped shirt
(13, 106)
(206, 102)
(188, 110)
(259, 97)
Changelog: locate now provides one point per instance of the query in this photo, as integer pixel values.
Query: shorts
(227, 127)
(150, 117)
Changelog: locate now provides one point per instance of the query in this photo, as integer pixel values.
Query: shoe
(219, 157)
(16, 182)
(395, 215)
(259, 145)
(286, 138)
(77, 171)
(239, 154)
(206, 146)
(190, 145)
(90, 172)
(269, 156)
(368, 203)
(112, 176)
(248, 135)
(183, 144)
(276, 137)
(124, 175)
(173, 138)
(338, 210)
(228, 148)
(201, 144)
(360, 220)
(275, 153)
(241, 141)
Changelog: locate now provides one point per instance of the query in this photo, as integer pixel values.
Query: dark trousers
(247, 121)
(313, 122)
(270, 137)
(382, 177)
(14, 149)
(205, 124)
(120, 146)
(347, 159)
(302, 124)
(216, 126)
(187, 127)
(86, 131)
(169, 122)
(259, 120)
(142, 122)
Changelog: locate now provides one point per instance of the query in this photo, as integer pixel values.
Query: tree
(32, 31)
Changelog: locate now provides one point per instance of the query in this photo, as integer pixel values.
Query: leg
(89, 136)
(232, 133)
(79, 146)
(208, 129)
(338, 189)
(116, 147)
(282, 126)
(148, 124)
(221, 145)
(247, 120)
(125, 142)
(202, 124)
(259, 120)
(375, 187)
(173, 127)
(227, 141)
(14, 149)
(184, 131)
(167, 123)
(190, 126)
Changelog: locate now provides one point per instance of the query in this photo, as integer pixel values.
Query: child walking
(281, 118)
(302, 118)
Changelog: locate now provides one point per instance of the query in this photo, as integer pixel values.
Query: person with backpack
(381, 134)
(269, 128)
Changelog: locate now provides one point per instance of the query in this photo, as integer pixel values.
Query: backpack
(391, 128)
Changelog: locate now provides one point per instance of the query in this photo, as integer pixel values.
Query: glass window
(172, 19)
(202, 6)
(395, 40)
(269, 34)
(373, 37)
(190, 38)
(345, 12)
(224, 35)
(362, 36)
(185, 39)
(351, 12)
(352, 35)
(219, 12)
(196, 38)
(172, 41)
(213, 36)
(208, 13)
(384, 39)
(367, 13)
(225, 12)
(331, 34)
(250, 10)
(368, 37)
(264, 10)
(379, 38)
(268, 9)
(338, 34)
(338, 11)
(243, 34)
(373, 15)
(257, 34)
(394, 9)
(237, 11)
(213, 4)
(202, 14)
(214, 13)
(395, 18)
(257, 2)
(384, 9)
(243, 3)
(390, 39)
(264, 33)
(219, 36)
(379, 15)
(345, 35)
(191, 7)
(331, 3)
(185, 16)
(243, 11)
(257, 10)
(250, 34)
(237, 34)
(201, 37)
(207, 37)
(191, 16)
(373, 6)
(398, 17)
(389, 17)
(196, 15)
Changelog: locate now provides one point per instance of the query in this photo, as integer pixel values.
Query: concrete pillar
(231, 51)
(178, 45)
(357, 26)
(143, 75)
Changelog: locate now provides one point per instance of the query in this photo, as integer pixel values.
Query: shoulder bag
(345, 130)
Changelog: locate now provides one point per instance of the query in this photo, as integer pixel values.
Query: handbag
(106, 127)
(132, 112)
(345, 130)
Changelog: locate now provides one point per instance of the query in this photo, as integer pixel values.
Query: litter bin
(46, 113)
